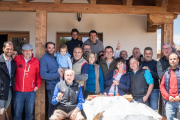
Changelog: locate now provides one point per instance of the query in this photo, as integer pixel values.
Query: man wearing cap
(27, 82)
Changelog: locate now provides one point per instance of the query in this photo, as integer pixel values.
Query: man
(86, 50)
(96, 45)
(141, 82)
(150, 65)
(163, 63)
(80, 67)
(109, 63)
(74, 42)
(101, 55)
(7, 75)
(27, 82)
(170, 87)
(68, 97)
(50, 73)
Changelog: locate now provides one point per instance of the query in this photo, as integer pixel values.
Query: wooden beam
(80, 8)
(158, 19)
(93, 2)
(161, 3)
(41, 39)
(127, 2)
(173, 6)
(151, 28)
(167, 33)
(21, 1)
(58, 1)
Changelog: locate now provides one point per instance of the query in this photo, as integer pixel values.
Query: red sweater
(27, 74)
(173, 88)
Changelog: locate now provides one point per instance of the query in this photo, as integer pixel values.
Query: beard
(86, 54)
(50, 52)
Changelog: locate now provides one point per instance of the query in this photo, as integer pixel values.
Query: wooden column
(41, 39)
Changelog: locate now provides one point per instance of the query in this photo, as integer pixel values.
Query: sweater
(64, 61)
(97, 47)
(152, 66)
(49, 71)
(90, 83)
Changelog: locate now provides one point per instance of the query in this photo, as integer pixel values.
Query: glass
(63, 40)
(166, 48)
(18, 43)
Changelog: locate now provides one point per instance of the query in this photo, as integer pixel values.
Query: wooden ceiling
(139, 7)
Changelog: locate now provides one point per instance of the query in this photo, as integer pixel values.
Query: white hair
(69, 70)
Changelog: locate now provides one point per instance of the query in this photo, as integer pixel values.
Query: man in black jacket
(74, 42)
(7, 72)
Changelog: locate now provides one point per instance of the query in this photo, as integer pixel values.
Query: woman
(95, 81)
(117, 82)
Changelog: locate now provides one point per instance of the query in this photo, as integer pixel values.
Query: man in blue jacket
(68, 97)
(50, 73)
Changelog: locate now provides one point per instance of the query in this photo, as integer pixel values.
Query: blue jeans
(5, 103)
(52, 107)
(153, 98)
(171, 109)
(21, 99)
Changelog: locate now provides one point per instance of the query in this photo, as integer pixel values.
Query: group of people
(82, 69)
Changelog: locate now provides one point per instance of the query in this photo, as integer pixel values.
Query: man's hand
(171, 99)
(116, 82)
(118, 46)
(145, 67)
(74, 114)
(145, 98)
(177, 99)
(60, 94)
(35, 89)
(61, 72)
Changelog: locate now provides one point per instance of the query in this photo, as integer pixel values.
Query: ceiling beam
(158, 19)
(58, 1)
(127, 2)
(22, 1)
(80, 8)
(161, 3)
(151, 28)
(93, 2)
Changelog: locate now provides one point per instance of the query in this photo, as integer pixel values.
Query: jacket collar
(116, 72)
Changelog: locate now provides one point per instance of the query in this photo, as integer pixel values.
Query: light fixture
(79, 16)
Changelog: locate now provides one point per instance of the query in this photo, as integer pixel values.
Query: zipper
(24, 77)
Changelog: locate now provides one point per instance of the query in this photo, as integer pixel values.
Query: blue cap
(27, 47)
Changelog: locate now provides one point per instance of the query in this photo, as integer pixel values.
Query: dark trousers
(140, 99)
(51, 107)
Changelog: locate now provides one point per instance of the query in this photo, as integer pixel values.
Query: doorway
(3, 38)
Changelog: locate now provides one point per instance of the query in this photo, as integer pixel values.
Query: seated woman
(95, 81)
(117, 82)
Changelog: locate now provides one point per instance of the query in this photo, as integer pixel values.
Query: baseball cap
(27, 47)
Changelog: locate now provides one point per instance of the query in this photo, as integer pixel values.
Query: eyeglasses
(166, 48)
(101, 55)
(87, 48)
(123, 54)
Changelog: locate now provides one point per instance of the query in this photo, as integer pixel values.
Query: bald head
(134, 64)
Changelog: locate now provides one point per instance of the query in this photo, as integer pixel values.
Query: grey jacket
(95, 47)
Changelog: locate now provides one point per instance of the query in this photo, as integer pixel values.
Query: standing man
(50, 73)
(7, 75)
(170, 87)
(96, 45)
(86, 50)
(163, 63)
(109, 63)
(150, 65)
(80, 67)
(141, 82)
(74, 42)
(27, 82)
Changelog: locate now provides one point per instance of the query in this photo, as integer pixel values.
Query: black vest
(139, 86)
(164, 62)
(70, 98)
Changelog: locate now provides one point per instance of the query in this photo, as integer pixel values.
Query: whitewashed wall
(129, 29)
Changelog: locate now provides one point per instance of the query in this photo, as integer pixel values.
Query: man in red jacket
(27, 82)
(170, 87)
